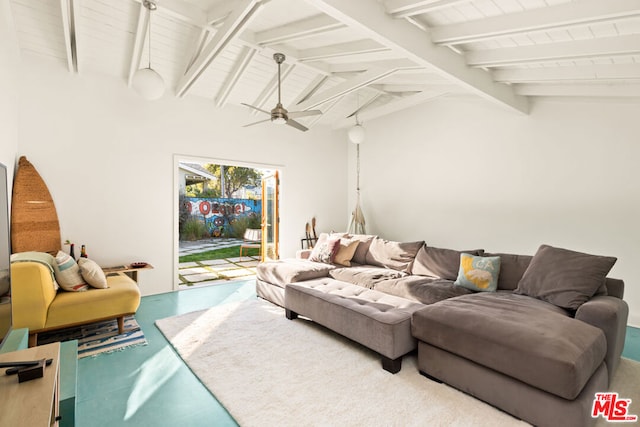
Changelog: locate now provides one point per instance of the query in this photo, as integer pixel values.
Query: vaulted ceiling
(343, 56)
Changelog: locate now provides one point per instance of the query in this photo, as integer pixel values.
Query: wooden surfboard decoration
(34, 219)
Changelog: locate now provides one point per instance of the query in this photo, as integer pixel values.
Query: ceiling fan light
(356, 134)
(279, 120)
(148, 83)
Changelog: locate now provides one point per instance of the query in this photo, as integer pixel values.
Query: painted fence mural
(220, 214)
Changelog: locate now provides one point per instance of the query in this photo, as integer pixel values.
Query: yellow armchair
(36, 305)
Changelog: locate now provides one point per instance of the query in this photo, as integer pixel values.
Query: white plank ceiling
(371, 56)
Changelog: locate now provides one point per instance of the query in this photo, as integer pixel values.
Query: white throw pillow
(92, 273)
(68, 273)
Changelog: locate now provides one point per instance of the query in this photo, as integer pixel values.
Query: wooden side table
(128, 270)
(32, 403)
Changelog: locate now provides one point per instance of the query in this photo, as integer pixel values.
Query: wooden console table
(128, 270)
(31, 403)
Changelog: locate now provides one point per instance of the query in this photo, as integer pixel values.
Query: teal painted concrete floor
(151, 386)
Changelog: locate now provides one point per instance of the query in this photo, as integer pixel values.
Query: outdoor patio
(214, 271)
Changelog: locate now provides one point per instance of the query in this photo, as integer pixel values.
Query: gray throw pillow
(395, 255)
(439, 262)
(563, 277)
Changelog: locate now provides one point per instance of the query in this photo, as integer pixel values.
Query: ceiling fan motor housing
(279, 114)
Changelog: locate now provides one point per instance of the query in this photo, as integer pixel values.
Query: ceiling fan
(279, 114)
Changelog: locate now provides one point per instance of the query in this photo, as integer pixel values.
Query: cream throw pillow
(68, 273)
(92, 273)
(345, 252)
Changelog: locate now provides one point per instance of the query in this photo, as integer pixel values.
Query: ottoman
(374, 319)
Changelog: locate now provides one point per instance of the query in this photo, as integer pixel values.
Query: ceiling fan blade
(297, 125)
(256, 123)
(256, 108)
(295, 114)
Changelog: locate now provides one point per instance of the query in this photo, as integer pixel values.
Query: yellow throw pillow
(92, 273)
(345, 252)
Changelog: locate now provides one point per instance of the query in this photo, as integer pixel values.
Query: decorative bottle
(71, 251)
(83, 252)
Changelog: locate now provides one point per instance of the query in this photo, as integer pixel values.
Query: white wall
(107, 157)
(9, 60)
(463, 173)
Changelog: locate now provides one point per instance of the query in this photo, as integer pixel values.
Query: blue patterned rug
(100, 337)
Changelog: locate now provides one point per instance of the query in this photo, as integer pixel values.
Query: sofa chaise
(549, 334)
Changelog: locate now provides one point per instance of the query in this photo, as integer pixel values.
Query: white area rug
(267, 370)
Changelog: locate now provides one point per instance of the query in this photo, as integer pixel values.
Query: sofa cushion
(521, 337)
(365, 275)
(364, 242)
(563, 277)
(68, 273)
(286, 271)
(395, 255)
(426, 290)
(439, 262)
(478, 273)
(346, 250)
(512, 267)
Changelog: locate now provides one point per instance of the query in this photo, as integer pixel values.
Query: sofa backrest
(390, 254)
(439, 262)
(512, 268)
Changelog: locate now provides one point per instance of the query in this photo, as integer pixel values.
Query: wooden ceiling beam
(233, 24)
(557, 74)
(234, 76)
(580, 90)
(297, 30)
(69, 24)
(346, 87)
(414, 44)
(311, 88)
(577, 49)
(138, 42)
(408, 8)
(393, 107)
(340, 50)
(540, 19)
(272, 86)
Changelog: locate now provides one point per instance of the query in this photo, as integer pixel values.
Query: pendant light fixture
(147, 82)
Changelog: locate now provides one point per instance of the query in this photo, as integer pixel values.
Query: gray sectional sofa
(538, 347)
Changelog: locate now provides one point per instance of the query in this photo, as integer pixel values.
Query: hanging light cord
(149, 35)
(358, 169)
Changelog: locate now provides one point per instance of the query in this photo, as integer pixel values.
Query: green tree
(235, 177)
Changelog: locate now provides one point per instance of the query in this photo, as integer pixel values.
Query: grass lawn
(232, 252)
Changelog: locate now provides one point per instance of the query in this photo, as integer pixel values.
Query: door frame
(177, 158)
(276, 222)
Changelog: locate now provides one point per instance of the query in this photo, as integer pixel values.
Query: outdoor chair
(252, 239)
